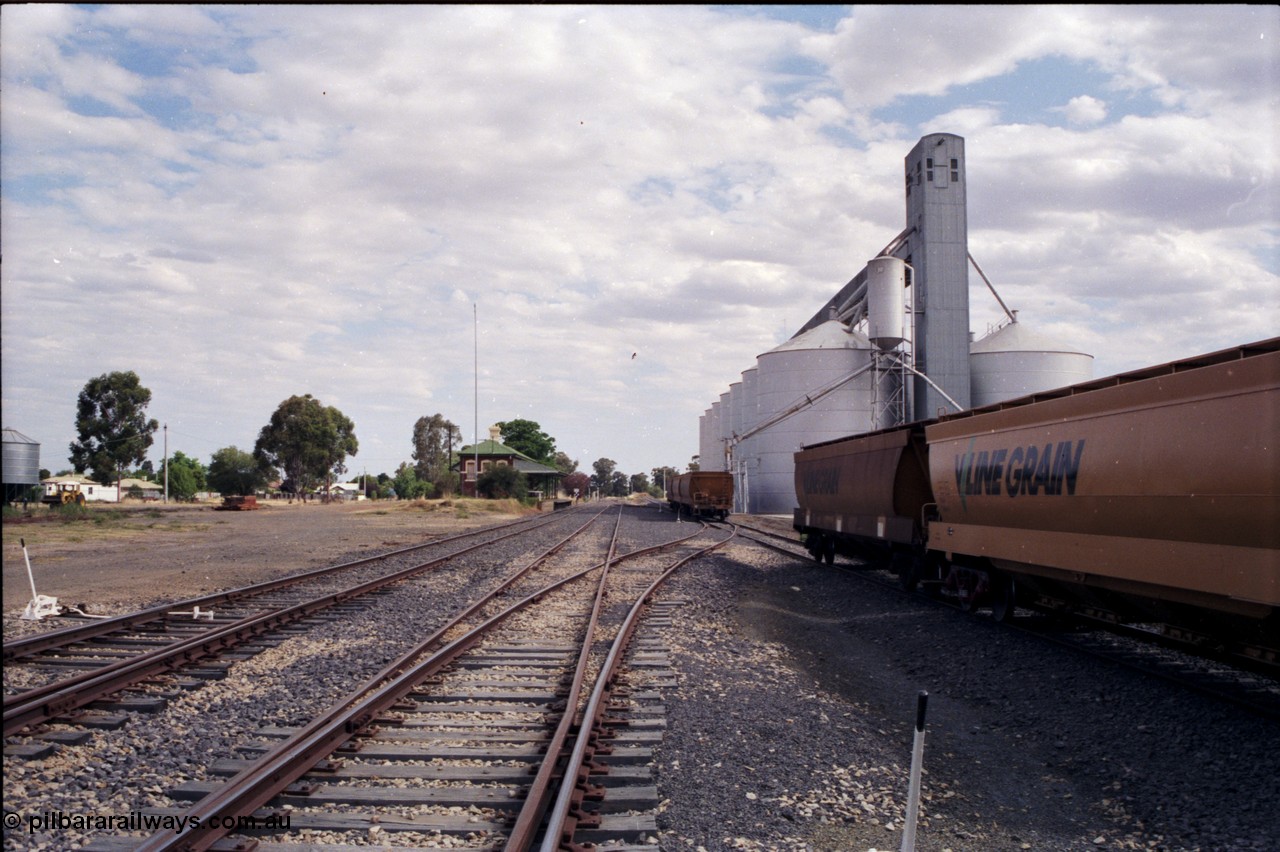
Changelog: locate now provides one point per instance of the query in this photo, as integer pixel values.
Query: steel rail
(256, 785)
(30, 645)
(60, 697)
(529, 819)
(561, 818)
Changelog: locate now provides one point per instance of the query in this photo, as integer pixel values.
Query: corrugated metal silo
(21, 465)
(710, 453)
(787, 375)
(744, 457)
(1014, 361)
(735, 409)
(726, 429)
(735, 428)
(702, 434)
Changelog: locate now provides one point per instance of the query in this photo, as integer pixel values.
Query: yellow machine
(63, 494)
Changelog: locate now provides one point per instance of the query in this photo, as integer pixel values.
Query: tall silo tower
(937, 248)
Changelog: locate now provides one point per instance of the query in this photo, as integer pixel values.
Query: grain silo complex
(891, 346)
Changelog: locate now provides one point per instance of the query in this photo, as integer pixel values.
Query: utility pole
(166, 463)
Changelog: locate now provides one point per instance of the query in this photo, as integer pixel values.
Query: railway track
(108, 656)
(523, 717)
(1141, 650)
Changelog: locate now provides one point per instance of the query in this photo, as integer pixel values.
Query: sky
(594, 217)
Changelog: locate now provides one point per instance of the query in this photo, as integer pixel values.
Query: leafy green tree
(307, 440)
(407, 484)
(619, 485)
(186, 476)
(576, 481)
(639, 483)
(695, 464)
(603, 476)
(528, 437)
(380, 488)
(502, 481)
(111, 420)
(564, 464)
(434, 438)
(233, 471)
(661, 476)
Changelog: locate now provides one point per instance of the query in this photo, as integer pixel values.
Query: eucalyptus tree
(111, 420)
(306, 440)
(434, 439)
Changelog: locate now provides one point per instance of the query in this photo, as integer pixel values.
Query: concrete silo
(1014, 361)
(789, 377)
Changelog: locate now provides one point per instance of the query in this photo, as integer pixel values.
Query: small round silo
(788, 376)
(21, 464)
(1014, 361)
(886, 301)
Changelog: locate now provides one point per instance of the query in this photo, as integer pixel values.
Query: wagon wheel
(968, 590)
(909, 576)
(1004, 597)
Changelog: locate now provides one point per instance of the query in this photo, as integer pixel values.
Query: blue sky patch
(1033, 93)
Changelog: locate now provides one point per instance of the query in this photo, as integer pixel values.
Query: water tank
(21, 459)
(1014, 361)
(788, 375)
(886, 300)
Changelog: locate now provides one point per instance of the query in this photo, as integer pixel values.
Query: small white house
(145, 490)
(345, 491)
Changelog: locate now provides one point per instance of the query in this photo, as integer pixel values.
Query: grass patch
(75, 524)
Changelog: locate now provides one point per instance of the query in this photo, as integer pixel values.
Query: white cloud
(1085, 110)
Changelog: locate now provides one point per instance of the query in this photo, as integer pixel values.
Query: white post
(913, 789)
(30, 576)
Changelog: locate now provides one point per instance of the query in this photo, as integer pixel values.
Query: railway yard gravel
(790, 727)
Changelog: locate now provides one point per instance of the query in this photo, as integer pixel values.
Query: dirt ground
(120, 557)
